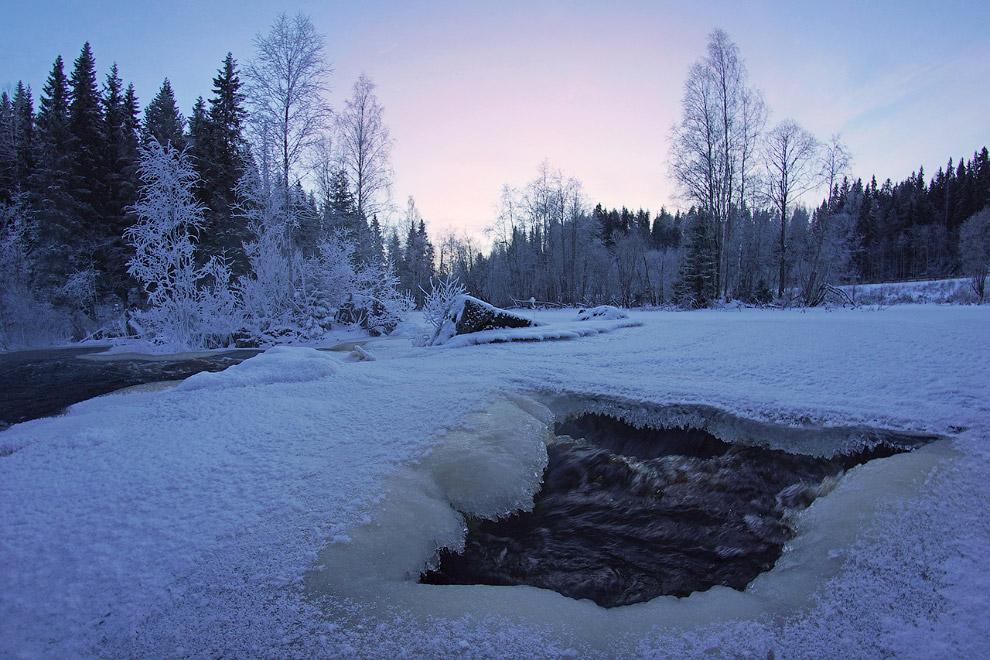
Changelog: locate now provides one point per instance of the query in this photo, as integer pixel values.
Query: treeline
(548, 245)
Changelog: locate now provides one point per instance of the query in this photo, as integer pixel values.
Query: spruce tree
(17, 148)
(222, 157)
(163, 121)
(86, 128)
(198, 136)
(377, 256)
(697, 285)
(121, 160)
(8, 183)
(24, 142)
(132, 115)
(58, 220)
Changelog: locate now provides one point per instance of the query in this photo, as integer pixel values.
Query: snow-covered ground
(275, 510)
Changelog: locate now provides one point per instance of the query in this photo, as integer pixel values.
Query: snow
(603, 312)
(559, 330)
(281, 364)
(239, 514)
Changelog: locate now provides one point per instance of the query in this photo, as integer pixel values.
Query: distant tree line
(549, 245)
(745, 235)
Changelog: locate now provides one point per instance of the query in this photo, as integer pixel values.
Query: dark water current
(41, 383)
(626, 515)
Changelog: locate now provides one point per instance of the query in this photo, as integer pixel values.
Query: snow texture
(195, 522)
(602, 312)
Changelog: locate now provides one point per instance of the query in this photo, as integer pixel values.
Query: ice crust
(487, 466)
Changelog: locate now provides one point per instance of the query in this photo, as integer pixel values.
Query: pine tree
(163, 121)
(58, 220)
(698, 286)
(120, 156)
(86, 127)
(221, 157)
(8, 152)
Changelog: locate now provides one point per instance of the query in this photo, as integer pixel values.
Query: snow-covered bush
(299, 291)
(600, 313)
(26, 318)
(389, 306)
(268, 291)
(439, 299)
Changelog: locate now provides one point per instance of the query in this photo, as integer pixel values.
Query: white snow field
(283, 508)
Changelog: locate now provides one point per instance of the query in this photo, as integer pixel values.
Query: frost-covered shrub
(389, 306)
(295, 293)
(267, 293)
(440, 298)
(190, 306)
(26, 318)
(377, 305)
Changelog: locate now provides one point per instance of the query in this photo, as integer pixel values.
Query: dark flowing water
(41, 383)
(626, 515)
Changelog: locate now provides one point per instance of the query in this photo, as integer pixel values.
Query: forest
(265, 215)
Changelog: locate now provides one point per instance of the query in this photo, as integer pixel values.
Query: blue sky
(478, 94)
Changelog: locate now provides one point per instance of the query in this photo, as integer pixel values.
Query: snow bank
(281, 364)
(547, 332)
(189, 523)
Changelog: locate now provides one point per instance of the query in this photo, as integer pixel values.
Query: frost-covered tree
(439, 299)
(182, 314)
(291, 292)
(713, 147)
(26, 318)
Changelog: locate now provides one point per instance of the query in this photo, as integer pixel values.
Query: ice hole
(628, 513)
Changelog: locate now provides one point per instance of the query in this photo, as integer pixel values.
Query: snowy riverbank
(182, 523)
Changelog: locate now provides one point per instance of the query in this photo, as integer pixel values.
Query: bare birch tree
(713, 146)
(366, 148)
(286, 81)
(791, 161)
